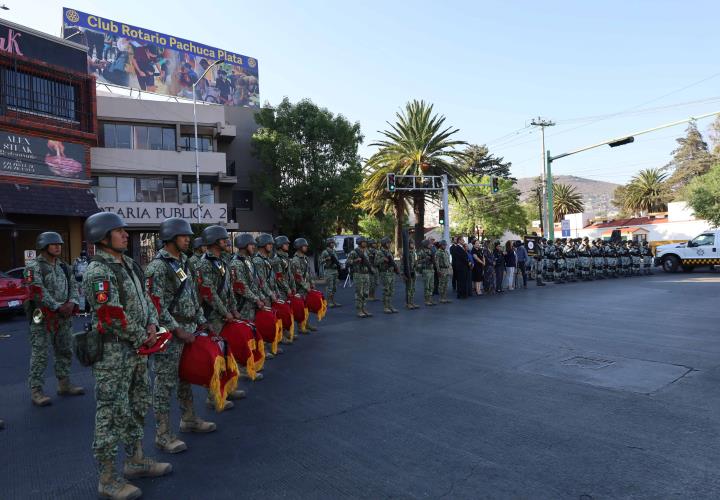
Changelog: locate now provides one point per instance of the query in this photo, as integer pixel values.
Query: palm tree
(419, 144)
(376, 199)
(566, 200)
(647, 192)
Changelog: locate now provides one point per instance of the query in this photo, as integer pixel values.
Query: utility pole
(542, 123)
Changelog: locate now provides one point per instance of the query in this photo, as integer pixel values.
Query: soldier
(409, 276)
(199, 250)
(248, 295)
(610, 259)
(372, 254)
(169, 284)
(626, 259)
(361, 267)
(635, 258)
(283, 280)
(597, 260)
(570, 260)
(547, 263)
(426, 266)
(584, 259)
(386, 266)
(124, 315)
(53, 299)
(442, 262)
(265, 276)
(540, 261)
(216, 290)
(300, 269)
(647, 258)
(331, 269)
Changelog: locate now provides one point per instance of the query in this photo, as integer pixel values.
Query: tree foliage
(377, 226)
(313, 167)
(690, 159)
(566, 200)
(478, 161)
(482, 213)
(703, 195)
(646, 192)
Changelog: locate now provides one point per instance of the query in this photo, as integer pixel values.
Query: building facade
(47, 128)
(144, 167)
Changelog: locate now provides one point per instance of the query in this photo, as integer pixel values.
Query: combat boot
(334, 303)
(38, 397)
(166, 440)
(229, 405)
(361, 314)
(189, 422)
(415, 306)
(394, 310)
(311, 328)
(237, 394)
(429, 303)
(138, 465)
(387, 310)
(65, 388)
(367, 313)
(115, 488)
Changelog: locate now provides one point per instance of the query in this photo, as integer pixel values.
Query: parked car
(12, 294)
(17, 273)
(344, 244)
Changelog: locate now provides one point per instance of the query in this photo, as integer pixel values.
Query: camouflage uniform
(442, 260)
(170, 286)
(361, 269)
(410, 278)
(570, 261)
(122, 311)
(647, 258)
(300, 269)
(331, 270)
(426, 266)
(385, 264)
(584, 259)
(281, 268)
(51, 286)
(245, 286)
(372, 285)
(265, 278)
(636, 259)
(216, 295)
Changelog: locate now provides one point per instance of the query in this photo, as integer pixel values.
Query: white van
(699, 251)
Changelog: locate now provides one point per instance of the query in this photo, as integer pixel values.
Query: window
(130, 189)
(36, 94)
(243, 200)
(187, 143)
(706, 239)
(189, 193)
(104, 189)
(125, 136)
(125, 189)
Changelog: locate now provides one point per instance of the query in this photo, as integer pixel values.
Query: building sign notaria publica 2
(136, 214)
(128, 56)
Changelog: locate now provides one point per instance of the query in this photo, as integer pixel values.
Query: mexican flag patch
(102, 291)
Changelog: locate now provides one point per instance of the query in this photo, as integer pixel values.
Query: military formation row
(576, 259)
(175, 305)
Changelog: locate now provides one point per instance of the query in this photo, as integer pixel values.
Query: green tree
(646, 192)
(419, 143)
(619, 200)
(715, 137)
(377, 226)
(478, 161)
(313, 167)
(703, 195)
(690, 159)
(482, 213)
(566, 200)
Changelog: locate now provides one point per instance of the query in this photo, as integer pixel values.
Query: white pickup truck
(703, 250)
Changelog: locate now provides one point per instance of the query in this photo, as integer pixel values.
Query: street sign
(29, 255)
(565, 225)
(531, 243)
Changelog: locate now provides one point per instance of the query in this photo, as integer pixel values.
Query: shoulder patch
(102, 291)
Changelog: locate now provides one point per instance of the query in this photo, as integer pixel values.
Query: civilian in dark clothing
(499, 258)
(522, 260)
(510, 265)
(489, 269)
(460, 269)
(454, 275)
(478, 268)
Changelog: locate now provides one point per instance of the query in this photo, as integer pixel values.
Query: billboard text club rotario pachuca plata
(139, 58)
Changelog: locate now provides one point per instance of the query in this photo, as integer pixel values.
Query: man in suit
(460, 268)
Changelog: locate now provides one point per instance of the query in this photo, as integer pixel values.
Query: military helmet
(97, 226)
(212, 234)
(360, 240)
(48, 238)
(197, 243)
(371, 241)
(549, 242)
(264, 239)
(330, 241)
(281, 240)
(299, 243)
(385, 241)
(174, 226)
(243, 240)
(425, 243)
(442, 243)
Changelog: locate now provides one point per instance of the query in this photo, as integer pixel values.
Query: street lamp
(197, 157)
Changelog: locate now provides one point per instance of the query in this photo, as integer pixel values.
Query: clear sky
(488, 66)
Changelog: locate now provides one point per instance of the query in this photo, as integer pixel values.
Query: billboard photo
(24, 155)
(128, 56)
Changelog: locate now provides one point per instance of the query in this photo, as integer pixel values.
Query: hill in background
(597, 195)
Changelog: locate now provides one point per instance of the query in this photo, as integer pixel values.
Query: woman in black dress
(477, 270)
(488, 269)
(499, 257)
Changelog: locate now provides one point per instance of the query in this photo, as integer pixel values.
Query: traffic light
(441, 216)
(495, 185)
(391, 182)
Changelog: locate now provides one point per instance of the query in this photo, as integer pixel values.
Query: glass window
(123, 136)
(170, 192)
(243, 200)
(156, 189)
(189, 193)
(125, 189)
(155, 138)
(168, 139)
(704, 240)
(106, 181)
(105, 190)
(36, 94)
(205, 141)
(140, 136)
(108, 139)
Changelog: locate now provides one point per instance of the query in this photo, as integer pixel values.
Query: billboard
(128, 56)
(21, 41)
(24, 155)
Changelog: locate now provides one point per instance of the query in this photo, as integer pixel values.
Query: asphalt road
(587, 390)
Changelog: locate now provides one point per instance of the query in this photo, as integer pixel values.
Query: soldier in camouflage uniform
(266, 278)
(626, 259)
(540, 261)
(171, 287)
(300, 269)
(359, 259)
(283, 280)
(126, 319)
(409, 276)
(331, 270)
(53, 299)
(583, 252)
(635, 258)
(568, 252)
(442, 262)
(372, 254)
(199, 250)
(245, 284)
(385, 264)
(426, 266)
(647, 258)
